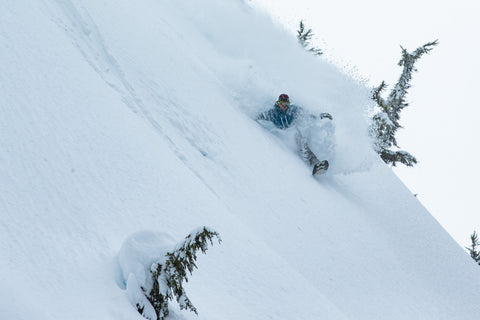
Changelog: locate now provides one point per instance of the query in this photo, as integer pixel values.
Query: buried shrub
(151, 291)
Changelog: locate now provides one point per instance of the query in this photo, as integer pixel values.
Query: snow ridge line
(86, 36)
(88, 40)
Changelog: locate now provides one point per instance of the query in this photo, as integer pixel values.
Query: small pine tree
(305, 39)
(386, 122)
(474, 253)
(169, 275)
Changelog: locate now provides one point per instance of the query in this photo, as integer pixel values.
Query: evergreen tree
(386, 121)
(474, 253)
(304, 38)
(169, 274)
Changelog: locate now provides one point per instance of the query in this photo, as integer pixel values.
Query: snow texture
(119, 117)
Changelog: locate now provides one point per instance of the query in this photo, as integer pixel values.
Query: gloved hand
(326, 115)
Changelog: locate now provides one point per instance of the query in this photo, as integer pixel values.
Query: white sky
(440, 125)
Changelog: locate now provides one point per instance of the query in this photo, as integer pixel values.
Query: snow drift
(121, 117)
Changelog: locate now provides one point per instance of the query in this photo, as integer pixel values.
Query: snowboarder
(283, 116)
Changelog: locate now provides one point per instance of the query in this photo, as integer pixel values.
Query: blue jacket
(281, 119)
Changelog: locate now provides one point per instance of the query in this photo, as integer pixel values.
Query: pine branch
(160, 293)
(386, 122)
(397, 97)
(377, 96)
(304, 38)
(398, 156)
(474, 253)
(168, 278)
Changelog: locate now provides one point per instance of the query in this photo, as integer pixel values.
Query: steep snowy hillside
(119, 117)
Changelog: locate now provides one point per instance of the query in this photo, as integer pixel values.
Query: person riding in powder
(283, 116)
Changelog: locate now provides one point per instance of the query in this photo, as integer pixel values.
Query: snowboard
(320, 168)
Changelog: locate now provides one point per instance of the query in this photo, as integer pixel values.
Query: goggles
(284, 103)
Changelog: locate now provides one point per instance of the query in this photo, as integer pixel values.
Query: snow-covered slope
(120, 116)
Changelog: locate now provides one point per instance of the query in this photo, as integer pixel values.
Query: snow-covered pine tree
(386, 121)
(169, 274)
(304, 38)
(474, 253)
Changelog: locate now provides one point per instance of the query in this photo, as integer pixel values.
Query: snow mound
(140, 251)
